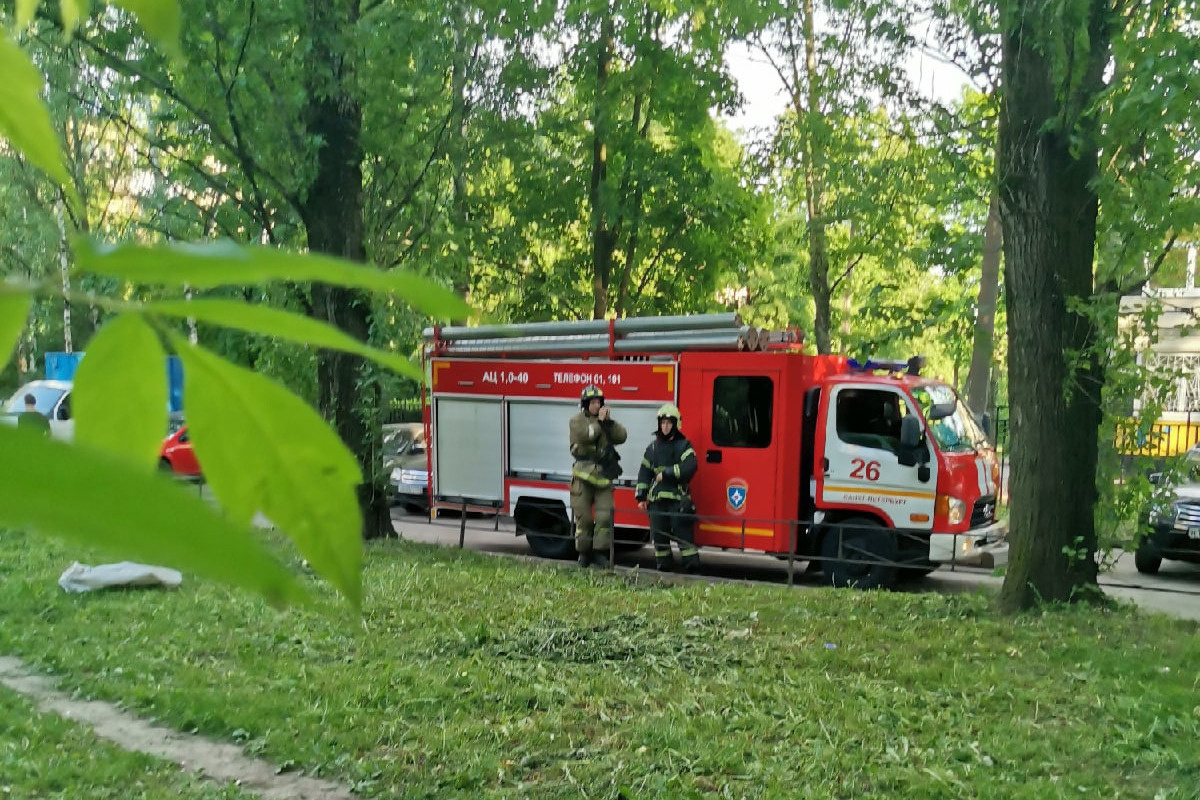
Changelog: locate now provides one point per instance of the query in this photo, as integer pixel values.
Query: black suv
(1174, 518)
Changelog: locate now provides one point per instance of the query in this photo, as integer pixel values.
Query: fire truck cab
(870, 470)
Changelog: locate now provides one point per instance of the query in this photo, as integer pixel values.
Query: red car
(177, 456)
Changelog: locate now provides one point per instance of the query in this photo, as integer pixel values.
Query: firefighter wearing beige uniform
(593, 434)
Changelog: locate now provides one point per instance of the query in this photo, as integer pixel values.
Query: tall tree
(609, 189)
(1055, 54)
(835, 62)
(968, 38)
(311, 151)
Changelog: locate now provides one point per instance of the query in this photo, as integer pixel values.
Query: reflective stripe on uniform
(590, 477)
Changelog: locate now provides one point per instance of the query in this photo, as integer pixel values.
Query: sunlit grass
(472, 676)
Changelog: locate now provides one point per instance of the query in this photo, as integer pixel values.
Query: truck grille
(984, 512)
(1187, 515)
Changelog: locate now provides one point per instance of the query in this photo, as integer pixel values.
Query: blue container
(174, 384)
(62, 366)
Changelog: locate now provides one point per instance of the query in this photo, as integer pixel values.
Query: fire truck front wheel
(859, 552)
(547, 528)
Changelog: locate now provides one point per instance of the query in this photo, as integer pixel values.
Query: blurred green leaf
(281, 325)
(25, 12)
(14, 311)
(120, 397)
(264, 450)
(160, 19)
(91, 498)
(24, 120)
(213, 264)
(72, 12)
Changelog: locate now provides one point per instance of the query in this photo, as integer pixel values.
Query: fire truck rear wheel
(547, 529)
(860, 539)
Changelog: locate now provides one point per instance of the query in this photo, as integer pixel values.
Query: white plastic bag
(84, 578)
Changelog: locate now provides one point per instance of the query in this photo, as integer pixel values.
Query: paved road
(1175, 590)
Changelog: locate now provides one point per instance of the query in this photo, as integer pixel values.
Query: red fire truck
(870, 470)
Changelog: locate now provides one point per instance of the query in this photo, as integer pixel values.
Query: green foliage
(696, 690)
(279, 324)
(211, 264)
(14, 310)
(160, 20)
(1149, 198)
(119, 405)
(264, 450)
(24, 120)
(94, 499)
(679, 213)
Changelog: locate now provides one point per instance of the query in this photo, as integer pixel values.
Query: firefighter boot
(599, 559)
(691, 560)
(585, 559)
(663, 560)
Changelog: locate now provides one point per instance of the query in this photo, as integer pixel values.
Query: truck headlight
(952, 508)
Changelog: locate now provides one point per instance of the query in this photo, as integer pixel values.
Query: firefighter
(593, 435)
(662, 489)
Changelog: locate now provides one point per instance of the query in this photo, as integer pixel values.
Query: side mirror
(923, 473)
(911, 452)
(941, 410)
(1156, 478)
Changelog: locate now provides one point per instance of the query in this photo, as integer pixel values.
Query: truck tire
(1147, 560)
(547, 529)
(861, 539)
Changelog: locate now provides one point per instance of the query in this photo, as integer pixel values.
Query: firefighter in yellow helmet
(594, 434)
(662, 489)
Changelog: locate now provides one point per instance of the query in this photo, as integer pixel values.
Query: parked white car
(53, 399)
(404, 457)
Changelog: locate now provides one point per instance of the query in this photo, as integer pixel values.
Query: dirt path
(222, 763)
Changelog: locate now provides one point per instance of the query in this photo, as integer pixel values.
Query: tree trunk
(332, 211)
(604, 240)
(814, 189)
(641, 125)
(64, 269)
(979, 376)
(1046, 162)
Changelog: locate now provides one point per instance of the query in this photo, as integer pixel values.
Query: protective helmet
(589, 394)
(669, 410)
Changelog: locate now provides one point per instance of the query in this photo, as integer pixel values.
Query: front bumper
(403, 484)
(1180, 541)
(986, 546)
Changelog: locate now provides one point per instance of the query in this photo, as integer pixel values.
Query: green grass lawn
(44, 756)
(472, 676)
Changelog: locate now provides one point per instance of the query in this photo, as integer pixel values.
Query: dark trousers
(668, 525)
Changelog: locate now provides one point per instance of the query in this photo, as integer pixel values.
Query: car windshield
(957, 432)
(46, 397)
(404, 441)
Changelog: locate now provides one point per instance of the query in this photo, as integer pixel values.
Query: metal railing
(850, 547)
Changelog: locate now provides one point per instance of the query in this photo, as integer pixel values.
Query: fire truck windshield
(955, 432)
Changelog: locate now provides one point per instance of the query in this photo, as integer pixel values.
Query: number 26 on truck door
(867, 470)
